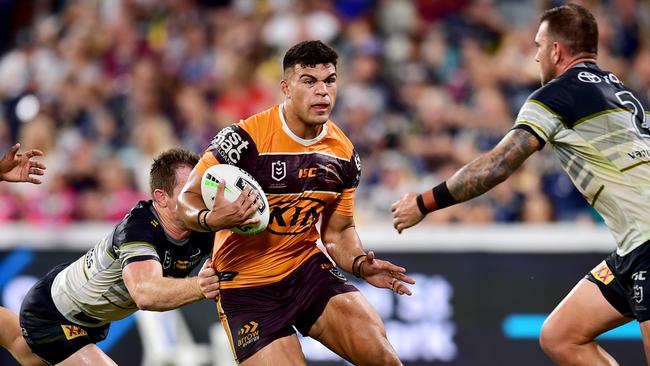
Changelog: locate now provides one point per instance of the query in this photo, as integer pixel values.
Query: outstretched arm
(16, 167)
(151, 291)
(472, 180)
(344, 246)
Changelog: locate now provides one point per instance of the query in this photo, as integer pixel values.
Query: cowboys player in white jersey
(601, 135)
(142, 264)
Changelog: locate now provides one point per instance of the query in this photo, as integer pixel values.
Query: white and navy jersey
(91, 291)
(600, 132)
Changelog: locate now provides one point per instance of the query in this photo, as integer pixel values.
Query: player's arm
(151, 291)
(222, 215)
(344, 246)
(472, 180)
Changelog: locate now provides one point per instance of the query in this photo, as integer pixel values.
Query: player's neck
(575, 61)
(171, 226)
(299, 128)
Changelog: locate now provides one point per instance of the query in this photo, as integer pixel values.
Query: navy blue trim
(140, 258)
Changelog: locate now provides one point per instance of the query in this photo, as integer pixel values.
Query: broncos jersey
(301, 178)
(91, 291)
(601, 135)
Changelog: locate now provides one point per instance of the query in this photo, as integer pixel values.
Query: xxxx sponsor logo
(73, 331)
(602, 273)
(248, 334)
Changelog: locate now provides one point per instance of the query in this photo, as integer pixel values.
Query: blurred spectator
(101, 87)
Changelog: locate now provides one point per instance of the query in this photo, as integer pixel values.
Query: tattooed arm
(493, 167)
(472, 180)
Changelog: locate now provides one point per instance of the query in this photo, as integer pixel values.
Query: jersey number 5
(638, 114)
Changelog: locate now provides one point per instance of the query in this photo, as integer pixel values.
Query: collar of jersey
(296, 138)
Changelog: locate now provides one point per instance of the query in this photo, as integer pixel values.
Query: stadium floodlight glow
(27, 108)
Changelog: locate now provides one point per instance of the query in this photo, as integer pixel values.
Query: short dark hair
(574, 26)
(309, 53)
(163, 170)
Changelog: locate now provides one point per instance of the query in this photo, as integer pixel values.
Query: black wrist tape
(442, 196)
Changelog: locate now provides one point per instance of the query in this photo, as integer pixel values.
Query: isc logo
(294, 217)
(307, 172)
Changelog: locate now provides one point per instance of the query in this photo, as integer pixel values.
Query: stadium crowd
(104, 86)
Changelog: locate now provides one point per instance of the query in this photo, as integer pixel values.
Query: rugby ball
(236, 181)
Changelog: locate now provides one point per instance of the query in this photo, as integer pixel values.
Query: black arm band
(354, 264)
(421, 206)
(198, 219)
(442, 196)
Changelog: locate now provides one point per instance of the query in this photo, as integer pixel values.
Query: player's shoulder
(338, 140)
(553, 93)
(262, 123)
(139, 225)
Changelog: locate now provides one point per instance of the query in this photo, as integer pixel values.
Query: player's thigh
(282, 351)
(89, 355)
(581, 316)
(339, 327)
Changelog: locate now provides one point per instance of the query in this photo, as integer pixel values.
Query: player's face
(310, 93)
(545, 54)
(182, 174)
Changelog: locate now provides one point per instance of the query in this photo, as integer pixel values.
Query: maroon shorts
(256, 316)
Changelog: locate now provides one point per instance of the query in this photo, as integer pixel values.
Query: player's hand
(16, 167)
(384, 274)
(406, 212)
(225, 214)
(209, 281)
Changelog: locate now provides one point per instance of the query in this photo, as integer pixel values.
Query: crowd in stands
(424, 86)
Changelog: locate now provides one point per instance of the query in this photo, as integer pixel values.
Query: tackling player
(601, 135)
(142, 264)
(279, 278)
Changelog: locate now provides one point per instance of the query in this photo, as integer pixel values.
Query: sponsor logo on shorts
(73, 331)
(333, 270)
(602, 273)
(248, 334)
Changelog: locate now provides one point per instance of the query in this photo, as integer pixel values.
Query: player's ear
(160, 197)
(557, 53)
(284, 87)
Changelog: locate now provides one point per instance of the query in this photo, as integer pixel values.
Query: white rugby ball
(236, 180)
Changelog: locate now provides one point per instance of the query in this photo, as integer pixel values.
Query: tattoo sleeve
(493, 167)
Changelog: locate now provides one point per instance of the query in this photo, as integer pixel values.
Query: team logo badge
(638, 293)
(73, 331)
(602, 273)
(278, 170)
(168, 259)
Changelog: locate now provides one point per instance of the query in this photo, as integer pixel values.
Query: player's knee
(386, 357)
(551, 341)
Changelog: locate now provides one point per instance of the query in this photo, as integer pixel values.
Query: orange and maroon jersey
(300, 178)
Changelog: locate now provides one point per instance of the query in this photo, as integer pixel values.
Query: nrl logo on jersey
(278, 170)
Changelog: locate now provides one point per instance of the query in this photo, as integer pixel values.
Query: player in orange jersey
(279, 279)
